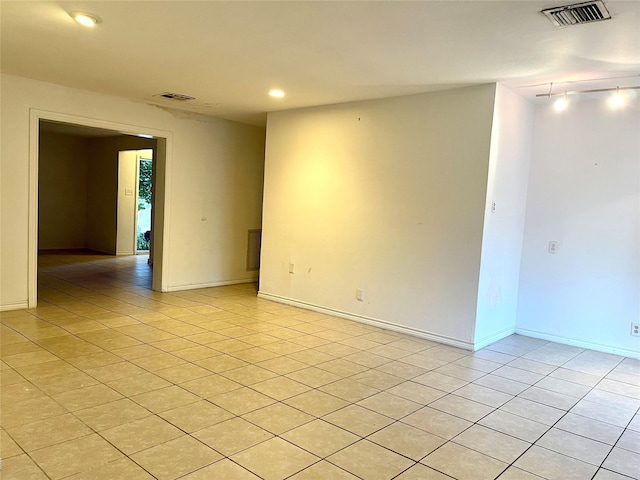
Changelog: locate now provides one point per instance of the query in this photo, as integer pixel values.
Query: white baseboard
(13, 306)
(454, 342)
(494, 338)
(195, 286)
(579, 343)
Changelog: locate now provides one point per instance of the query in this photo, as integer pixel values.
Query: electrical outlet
(635, 329)
(553, 246)
(360, 295)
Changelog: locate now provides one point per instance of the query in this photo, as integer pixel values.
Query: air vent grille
(175, 96)
(577, 13)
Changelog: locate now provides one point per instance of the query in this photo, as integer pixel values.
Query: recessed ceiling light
(276, 93)
(85, 19)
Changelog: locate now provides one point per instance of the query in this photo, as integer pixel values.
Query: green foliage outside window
(145, 184)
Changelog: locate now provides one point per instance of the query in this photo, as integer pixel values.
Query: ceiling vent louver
(577, 13)
(175, 96)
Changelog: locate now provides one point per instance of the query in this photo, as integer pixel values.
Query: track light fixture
(617, 100)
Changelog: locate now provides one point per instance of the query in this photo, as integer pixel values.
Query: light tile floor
(109, 380)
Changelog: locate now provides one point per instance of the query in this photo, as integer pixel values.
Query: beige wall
(78, 190)
(62, 211)
(102, 196)
(213, 181)
(387, 196)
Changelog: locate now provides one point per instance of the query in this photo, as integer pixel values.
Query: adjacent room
(320, 240)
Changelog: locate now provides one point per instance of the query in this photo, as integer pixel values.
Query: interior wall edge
(478, 345)
(453, 342)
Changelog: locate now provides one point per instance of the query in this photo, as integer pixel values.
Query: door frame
(139, 159)
(162, 193)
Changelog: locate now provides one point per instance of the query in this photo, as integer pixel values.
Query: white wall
(504, 226)
(386, 196)
(214, 181)
(62, 202)
(584, 193)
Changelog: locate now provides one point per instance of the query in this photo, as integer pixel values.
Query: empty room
(320, 240)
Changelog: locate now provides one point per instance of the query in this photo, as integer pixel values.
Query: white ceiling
(229, 54)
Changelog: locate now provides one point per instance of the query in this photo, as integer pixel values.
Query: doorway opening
(72, 181)
(145, 202)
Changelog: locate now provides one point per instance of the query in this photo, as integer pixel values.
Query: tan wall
(62, 211)
(386, 196)
(214, 184)
(102, 196)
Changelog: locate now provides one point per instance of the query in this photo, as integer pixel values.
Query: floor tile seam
(577, 399)
(635, 385)
(530, 444)
(128, 455)
(363, 439)
(564, 365)
(614, 472)
(18, 332)
(577, 435)
(92, 432)
(477, 423)
(561, 393)
(50, 397)
(224, 457)
(560, 453)
(565, 412)
(280, 436)
(35, 463)
(512, 379)
(432, 468)
(320, 461)
(637, 399)
(70, 283)
(493, 409)
(625, 429)
(458, 378)
(445, 440)
(448, 441)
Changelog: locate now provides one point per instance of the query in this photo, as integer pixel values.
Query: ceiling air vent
(577, 13)
(175, 96)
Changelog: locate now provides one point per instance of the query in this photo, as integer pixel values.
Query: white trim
(579, 343)
(32, 234)
(135, 205)
(14, 306)
(35, 115)
(454, 342)
(195, 286)
(166, 210)
(494, 338)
